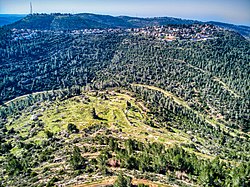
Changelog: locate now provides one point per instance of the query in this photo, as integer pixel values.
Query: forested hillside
(159, 105)
(211, 76)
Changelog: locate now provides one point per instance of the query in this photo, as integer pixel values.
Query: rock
(34, 117)
(33, 108)
(39, 115)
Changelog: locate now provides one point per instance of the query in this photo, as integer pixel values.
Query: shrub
(122, 181)
(76, 160)
(51, 182)
(49, 134)
(72, 128)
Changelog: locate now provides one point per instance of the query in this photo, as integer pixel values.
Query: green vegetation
(72, 128)
(123, 108)
(76, 160)
(122, 181)
(197, 74)
(89, 135)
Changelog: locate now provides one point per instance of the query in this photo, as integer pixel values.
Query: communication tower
(31, 12)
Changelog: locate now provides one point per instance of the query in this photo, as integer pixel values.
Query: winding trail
(111, 181)
(23, 96)
(216, 79)
(183, 103)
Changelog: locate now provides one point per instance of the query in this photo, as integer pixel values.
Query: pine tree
(76, 160)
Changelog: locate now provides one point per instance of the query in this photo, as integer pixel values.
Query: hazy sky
(231, 11)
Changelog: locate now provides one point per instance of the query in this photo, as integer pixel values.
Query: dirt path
(212, 121)
(23, 96)
(166, 93)
(108, 181)
(111, 180)
(147, 182)
(217, 79)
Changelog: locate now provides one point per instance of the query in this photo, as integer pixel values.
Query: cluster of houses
(168, 33)
(22, 34)
(95, 31)
(183, 32)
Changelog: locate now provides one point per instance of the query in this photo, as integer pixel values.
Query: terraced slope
(88, 138)
(40, 135)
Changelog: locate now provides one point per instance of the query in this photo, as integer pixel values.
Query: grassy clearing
(112, 111)
(122, 116)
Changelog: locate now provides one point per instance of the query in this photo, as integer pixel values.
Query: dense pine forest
(161, 105)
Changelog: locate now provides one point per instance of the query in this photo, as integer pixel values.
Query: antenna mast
(31, 12)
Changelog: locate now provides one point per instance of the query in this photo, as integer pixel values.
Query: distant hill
(59, 21)
(6, 19)
(242, 29)
(91, 21)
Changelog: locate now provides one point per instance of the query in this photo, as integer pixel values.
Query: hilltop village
(186, 32)
(195, 32)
